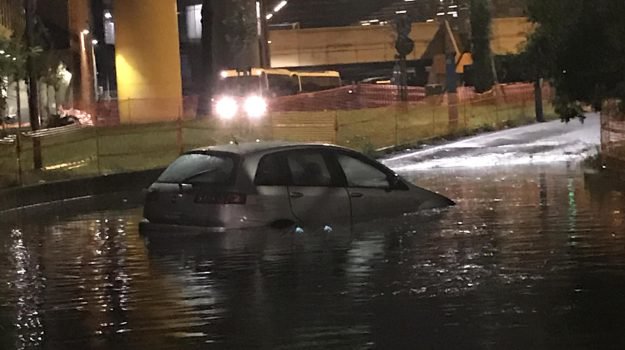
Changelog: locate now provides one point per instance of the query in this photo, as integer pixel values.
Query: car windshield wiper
(189, 178)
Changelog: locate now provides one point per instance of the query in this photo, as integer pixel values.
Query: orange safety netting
(613, 130)
(350, 97)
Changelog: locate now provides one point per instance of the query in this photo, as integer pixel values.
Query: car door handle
(356, 195)
(296, 195)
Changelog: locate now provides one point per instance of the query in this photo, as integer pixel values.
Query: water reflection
(26, 285)
(530, 258)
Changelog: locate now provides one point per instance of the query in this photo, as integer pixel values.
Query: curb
(58, 191)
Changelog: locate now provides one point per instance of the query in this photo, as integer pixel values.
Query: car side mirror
(394, 182)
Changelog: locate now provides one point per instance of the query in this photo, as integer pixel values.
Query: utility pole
(263, 35)
(207, 79)
(18, 135)
(538, 100)
(404, 46)
(33, 94)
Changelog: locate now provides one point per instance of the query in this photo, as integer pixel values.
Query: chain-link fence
(367, 119)
(74, 151)
(438, 116)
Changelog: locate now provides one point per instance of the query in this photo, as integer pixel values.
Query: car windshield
(200, 168)
(240, 86)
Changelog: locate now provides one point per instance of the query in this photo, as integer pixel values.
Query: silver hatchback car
(277, 185)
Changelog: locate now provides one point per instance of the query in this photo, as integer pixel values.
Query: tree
(22, 59)
(579, 46)
(49, 59)
(13, 57)
(480, 36)
(241, 33)
(233, 24)
(6, 70)
(47, 69)
(33, 99)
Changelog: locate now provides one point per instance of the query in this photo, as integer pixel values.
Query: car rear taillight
(221, 198)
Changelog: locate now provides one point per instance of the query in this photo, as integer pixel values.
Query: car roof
(248, 148)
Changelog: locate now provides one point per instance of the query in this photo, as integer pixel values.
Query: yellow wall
(148, 60)
(509, 34)
(364, 44)
(342, 45)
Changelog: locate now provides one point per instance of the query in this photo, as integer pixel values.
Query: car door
(272, 178)
(316, 191)
(370, 190)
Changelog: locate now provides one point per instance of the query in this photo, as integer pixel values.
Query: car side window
(309, 168)
(271, 171)
(361, 174)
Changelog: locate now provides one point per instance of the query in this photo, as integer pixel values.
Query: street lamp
(94, 42)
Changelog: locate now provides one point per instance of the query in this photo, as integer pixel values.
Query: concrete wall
(58, 192)
(367, 44)
(343, 45)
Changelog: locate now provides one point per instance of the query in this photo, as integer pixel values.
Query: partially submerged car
(277, 185)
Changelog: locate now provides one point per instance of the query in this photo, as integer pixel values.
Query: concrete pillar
(147, 57)
(236, 34)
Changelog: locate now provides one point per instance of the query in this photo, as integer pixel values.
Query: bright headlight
(226, 108)
(255, 107)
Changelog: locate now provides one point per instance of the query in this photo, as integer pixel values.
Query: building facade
(509, 8)
(12, 15)
(292, 16)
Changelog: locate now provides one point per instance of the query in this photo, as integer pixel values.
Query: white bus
(276, 82)
(249, 90)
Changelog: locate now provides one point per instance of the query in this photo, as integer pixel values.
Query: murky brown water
(530, 259)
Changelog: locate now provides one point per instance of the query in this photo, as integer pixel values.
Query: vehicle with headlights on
(246, 93)
(277, 185)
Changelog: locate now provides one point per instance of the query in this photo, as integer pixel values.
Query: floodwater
(531, 258)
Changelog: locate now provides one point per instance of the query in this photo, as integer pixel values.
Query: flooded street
(531, 258)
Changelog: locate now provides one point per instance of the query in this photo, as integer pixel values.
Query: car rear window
(210, 169)
(271, 172)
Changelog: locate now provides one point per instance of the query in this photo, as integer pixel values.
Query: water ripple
(529, 257)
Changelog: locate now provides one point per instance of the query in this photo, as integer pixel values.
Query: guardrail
(62, 130)
(8, 140)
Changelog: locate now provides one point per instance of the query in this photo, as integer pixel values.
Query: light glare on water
(530, 258)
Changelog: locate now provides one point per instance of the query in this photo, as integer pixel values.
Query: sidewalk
(532, 144)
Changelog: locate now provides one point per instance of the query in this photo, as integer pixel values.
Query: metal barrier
(63, 130)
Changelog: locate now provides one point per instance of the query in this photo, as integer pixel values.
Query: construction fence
(366, 122)
(613, 134)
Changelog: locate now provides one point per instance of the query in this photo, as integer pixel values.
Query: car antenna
(234, 140)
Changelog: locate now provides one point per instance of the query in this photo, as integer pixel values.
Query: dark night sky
(53, 13)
